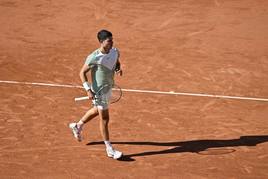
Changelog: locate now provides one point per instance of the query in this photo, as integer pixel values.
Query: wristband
(86, 86)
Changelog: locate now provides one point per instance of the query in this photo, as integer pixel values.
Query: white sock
(108, 144)
(80, 124)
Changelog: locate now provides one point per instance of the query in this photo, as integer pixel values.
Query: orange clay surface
(206, 46)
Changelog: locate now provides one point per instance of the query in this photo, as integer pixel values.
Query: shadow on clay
(194, 146)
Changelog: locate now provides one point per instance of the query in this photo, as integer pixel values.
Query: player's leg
(104, 128)
(90, 114)
(77, 127)
(104, 121)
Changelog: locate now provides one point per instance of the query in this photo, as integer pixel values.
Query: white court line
(40, 84)
(144, 91)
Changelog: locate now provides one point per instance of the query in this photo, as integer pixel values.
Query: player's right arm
(83, 76)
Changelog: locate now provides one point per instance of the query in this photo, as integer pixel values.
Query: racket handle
(81, 98)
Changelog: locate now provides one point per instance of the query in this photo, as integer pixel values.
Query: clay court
(213, 55)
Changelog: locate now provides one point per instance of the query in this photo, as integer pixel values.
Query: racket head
(116, 94)
(102, 96)
(108, 94)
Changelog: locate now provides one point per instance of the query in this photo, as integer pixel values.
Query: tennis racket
(107, 93)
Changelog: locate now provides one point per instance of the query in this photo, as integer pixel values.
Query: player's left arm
(118, 68)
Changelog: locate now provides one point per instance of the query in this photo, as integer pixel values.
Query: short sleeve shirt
(102, 67)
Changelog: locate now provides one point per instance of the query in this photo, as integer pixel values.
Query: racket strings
(116, 94)
(108, 94)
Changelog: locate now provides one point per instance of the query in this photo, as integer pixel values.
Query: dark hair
(103, 35)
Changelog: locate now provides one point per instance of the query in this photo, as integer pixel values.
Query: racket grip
(81, 98)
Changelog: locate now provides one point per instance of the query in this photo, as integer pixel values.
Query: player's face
(108, 43)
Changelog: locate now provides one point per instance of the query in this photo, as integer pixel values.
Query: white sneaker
(114, 153)
(76, 131)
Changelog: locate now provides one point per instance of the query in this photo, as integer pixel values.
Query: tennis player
(107, 57)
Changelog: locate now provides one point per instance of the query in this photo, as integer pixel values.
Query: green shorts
(102, 102)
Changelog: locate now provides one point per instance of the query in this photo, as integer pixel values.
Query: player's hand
(119, 72)
(90, 94)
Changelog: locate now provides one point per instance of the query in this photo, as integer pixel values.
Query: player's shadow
(194, 146)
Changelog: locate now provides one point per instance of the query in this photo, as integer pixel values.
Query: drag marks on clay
(200, 32)
(210, 104)
(8, 4)
(172, 121)
(14, 121)
(15, 163)
(10, 138)
(38, 149)
(172, 18)
(217, 3)
(99, 12)
(264, 156)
